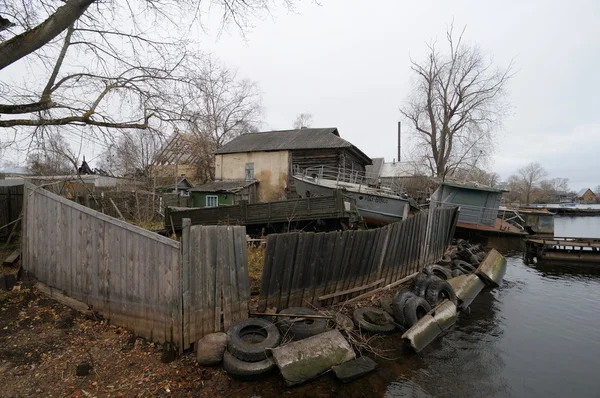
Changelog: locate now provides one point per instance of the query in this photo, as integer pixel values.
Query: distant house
(562, 197)
(181, 185)
(180, 156)
(586, 196)
(270, 158)
(223, 193)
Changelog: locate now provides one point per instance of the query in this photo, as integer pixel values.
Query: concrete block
(492, 268)
(306, 359)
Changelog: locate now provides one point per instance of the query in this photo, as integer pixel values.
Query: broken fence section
(317, 269)
(159, 288)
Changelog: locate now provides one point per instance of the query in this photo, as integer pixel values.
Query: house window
(212, 201)
(249, 171)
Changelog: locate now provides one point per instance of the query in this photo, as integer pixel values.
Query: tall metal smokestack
(399, 139)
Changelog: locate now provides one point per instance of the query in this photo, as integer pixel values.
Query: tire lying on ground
(464, 266)
(301, 328)
(439, 271)
(249, 339)
(372, 319)
(246, 370)
(415, 309)
(445, 261)
(456, 272)
(417, 282)
(438, 291)
(398, 303)
(423, 286)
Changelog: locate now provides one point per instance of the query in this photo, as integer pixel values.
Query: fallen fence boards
(306, 269)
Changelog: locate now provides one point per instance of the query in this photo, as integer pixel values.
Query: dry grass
(256, 261)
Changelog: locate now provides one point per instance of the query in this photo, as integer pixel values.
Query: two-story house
(269, 158)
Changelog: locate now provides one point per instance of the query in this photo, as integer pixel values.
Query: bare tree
(222, 106)
(529, 177)
(304, 119)
(52, 156)
(98, 68)
(457, 101)
(131, 154)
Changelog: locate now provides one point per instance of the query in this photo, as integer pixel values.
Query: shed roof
(224, 186)
(474, 187)
(285, 140)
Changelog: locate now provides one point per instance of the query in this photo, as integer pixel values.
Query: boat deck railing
(351, 179)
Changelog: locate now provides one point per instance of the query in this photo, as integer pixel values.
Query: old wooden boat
(378, 203)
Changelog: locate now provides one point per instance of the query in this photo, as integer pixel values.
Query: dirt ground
(42, 342)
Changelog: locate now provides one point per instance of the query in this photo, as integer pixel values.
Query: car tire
(246, 370)
(364, 319)
(398, 303)
(439, 271)
(415, 309)
(301, 329)
(249, 339)
(438, 291)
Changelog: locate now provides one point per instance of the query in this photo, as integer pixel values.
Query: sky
(347, 62)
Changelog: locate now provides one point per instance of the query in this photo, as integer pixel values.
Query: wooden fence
(11, 203)
(216, 285)
(316, 269)
(133, 277)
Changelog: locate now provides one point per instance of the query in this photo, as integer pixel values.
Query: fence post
(185, 282)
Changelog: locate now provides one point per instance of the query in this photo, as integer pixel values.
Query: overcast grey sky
(347, 62)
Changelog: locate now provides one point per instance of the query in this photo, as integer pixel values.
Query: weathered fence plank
(125, 273)
(324, 268)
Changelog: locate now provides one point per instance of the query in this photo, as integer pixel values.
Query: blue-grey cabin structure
(478, 205)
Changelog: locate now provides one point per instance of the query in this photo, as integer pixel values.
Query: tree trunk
(27, 42)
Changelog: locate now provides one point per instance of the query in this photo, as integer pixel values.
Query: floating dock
(562, 250)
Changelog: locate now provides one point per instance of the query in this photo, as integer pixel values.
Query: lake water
(538, 335)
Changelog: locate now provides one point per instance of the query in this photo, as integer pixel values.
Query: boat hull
(374, 209)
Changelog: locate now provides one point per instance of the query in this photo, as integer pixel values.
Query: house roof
(167, 182)
(374, 168)
(284, 140)
(583, 191)
(224, 186)
(474, 187)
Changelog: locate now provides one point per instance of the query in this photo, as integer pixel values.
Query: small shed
(169, 185)
(224, 193)
(478, 204)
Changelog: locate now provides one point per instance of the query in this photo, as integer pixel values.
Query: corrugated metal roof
(307, 138)
(223, 186)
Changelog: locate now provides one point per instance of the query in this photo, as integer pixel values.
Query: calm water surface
(538, 335)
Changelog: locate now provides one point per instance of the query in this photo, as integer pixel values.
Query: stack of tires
(427, 290)
(469, 253)
(248, 342)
